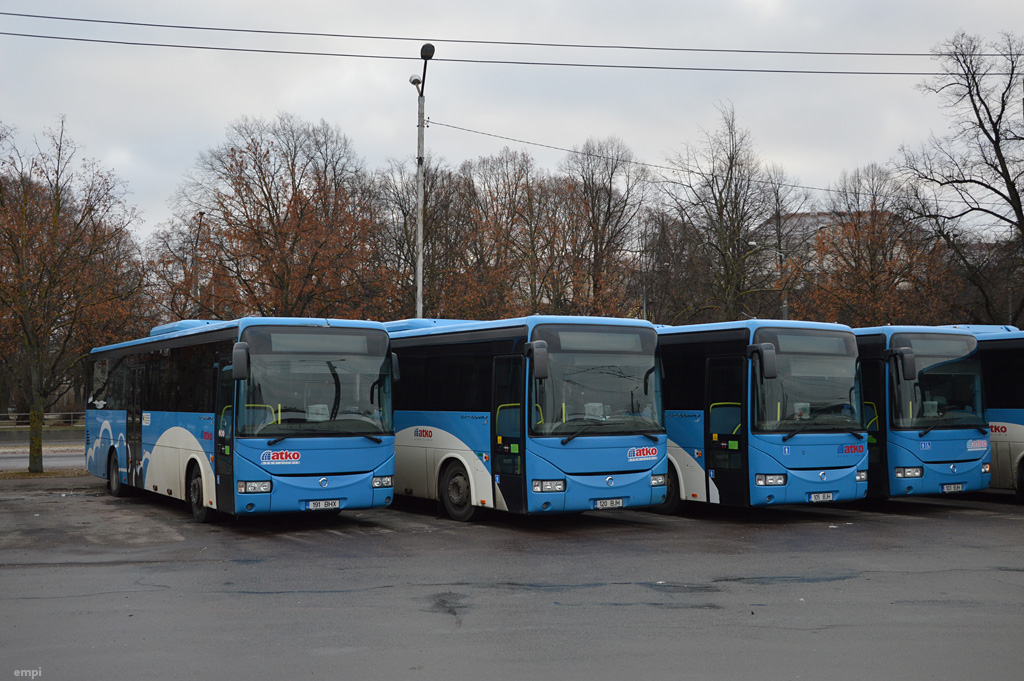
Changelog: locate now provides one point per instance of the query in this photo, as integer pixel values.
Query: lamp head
(427, 51)
(415, 80)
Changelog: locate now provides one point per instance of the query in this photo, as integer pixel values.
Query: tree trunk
(35, 436)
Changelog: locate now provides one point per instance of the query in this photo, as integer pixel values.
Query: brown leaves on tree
(870, 264)
(279, 223)
(70, 275)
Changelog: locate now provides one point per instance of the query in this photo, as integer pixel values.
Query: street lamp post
(782, 261)
(420, 82)
(195, 263)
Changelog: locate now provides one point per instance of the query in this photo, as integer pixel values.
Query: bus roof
(991, 331)
(888, 331)
(408, 328)
(751, 324)
(196, 327)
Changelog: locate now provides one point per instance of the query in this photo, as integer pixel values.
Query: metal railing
(50, 420)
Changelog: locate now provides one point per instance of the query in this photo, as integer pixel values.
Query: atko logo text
(975, 445)
(640, 453)
(851, 449)
(422, 432)
(280, 457)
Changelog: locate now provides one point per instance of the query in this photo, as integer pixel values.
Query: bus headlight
(658, 480)
(762, 480)
(984, 468)
(914, 472)
(383, 481)
(255, 486)
(549, 485)
(862, 476)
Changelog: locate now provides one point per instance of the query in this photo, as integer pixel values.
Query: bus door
(133, 434)
(508, 450)
(224, 436)
(725, 441)
(876, 422)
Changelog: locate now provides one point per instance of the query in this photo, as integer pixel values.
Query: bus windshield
(602, 380)
(816, 388)
(947, 392)
(318, 381)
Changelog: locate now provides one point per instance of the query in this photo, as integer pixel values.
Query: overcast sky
(147, 112)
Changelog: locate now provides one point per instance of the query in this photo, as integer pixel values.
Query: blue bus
(541, 414)
(925, 411)
(1002, 371)
(762, 412)
(251, 416)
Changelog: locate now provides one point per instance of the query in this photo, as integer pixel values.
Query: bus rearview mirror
(395, 373)
(240, 361)
(766, 353)
(537, 351)
(908, 364)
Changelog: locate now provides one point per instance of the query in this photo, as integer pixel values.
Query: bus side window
(506, 420)
(725, 418)
(258, 415)
(226, 426)
(870, 416)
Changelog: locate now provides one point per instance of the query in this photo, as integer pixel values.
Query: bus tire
(1018, 494)
(456, 493)
(114, 484)
(671, 503)
(200, 512)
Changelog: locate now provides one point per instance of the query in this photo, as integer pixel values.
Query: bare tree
(609, 189)
(456, 253)
(968, 183)
(70, 271)
(787, 241)
(873, 262)
(726, 199)
(280, 221)
(674, 277)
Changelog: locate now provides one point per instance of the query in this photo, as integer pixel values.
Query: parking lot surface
(96, 587)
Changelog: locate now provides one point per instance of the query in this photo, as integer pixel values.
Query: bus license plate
(955, 487)
(608, 503)
(821, 496)
(323, 504)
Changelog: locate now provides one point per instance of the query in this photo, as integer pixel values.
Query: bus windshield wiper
(796, 432)
(946, 420)
(579, 431)
(349, 433)
(833, 426)
(313, 433)
(371, 438)
(852, 431)
(932, 427)
(569, 438)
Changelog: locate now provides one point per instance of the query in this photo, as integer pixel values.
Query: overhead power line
(502, 62)
(644, 164)
(654, 166)
(461, 41)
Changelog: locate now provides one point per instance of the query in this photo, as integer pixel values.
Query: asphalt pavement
(97, 587)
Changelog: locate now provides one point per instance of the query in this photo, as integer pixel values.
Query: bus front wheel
(200, 512)
(114, 484)
(1018, 494)
(455, 493)
(671, 503)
